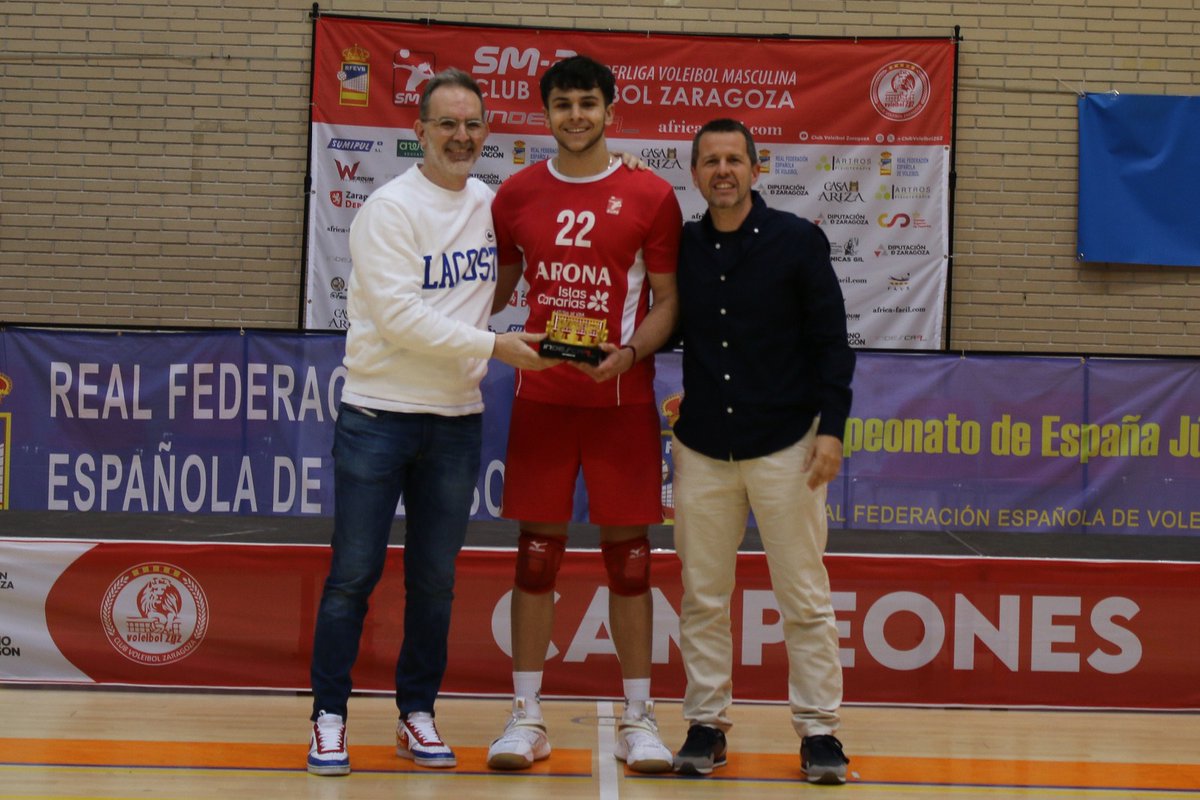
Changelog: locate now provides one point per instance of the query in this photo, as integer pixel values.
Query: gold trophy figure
(574, 337)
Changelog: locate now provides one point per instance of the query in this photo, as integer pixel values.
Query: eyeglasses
(449, 126)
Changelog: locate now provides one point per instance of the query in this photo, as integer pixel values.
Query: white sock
(529, 686)
(637, 692)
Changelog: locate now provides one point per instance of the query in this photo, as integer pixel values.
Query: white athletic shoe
(523, 742)
(417, 738)
(639, 745)
(327, 747)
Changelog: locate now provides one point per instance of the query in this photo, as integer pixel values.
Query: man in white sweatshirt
(421, 288)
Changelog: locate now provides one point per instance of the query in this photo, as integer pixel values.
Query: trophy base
(571, 352)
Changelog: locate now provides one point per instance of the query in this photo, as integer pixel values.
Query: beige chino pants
(712, 499)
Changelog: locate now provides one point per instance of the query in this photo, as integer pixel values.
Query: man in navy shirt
(766, 379)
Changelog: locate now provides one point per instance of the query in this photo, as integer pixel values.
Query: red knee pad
(628, 565)
(538, 559)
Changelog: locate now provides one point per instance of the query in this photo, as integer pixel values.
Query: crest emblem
(154, 614)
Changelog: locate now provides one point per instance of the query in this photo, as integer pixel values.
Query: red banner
(840, 91)
(853, 134)
(940, 631)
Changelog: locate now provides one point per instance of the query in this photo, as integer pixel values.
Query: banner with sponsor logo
(943, 631)
(1023, 444)
(852, 133)
(241, 423)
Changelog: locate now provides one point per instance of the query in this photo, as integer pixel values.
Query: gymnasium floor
(110, 743)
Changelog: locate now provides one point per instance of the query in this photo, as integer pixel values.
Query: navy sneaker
(822, 759)
(702, 751)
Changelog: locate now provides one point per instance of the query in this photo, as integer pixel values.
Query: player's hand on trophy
(518, 349)
(616, 360)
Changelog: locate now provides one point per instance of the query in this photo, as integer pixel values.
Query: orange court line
(578, 763)
(255, 756)
(975, 772)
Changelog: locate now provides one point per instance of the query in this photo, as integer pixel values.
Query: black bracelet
(631, 347)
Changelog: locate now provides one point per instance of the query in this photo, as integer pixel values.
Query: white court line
(610, 788)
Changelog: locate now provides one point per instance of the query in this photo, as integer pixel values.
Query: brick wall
(152, 156)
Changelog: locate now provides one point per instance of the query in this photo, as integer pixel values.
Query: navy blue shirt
(764, 336)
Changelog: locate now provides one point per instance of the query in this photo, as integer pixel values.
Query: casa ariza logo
(154, 614)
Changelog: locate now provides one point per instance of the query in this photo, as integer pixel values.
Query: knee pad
(538, 559)
(628, 566)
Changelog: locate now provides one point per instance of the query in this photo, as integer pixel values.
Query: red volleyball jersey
(586, 246)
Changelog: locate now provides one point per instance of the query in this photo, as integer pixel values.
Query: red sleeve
(661, 250)
(503, 217)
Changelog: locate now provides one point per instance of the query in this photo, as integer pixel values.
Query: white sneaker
(639, 745)
(418, 738)
(327, 748)
(523, 742)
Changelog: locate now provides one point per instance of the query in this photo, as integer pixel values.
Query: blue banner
(226, 422)
(1138, 158)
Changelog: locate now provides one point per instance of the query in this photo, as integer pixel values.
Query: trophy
(574, 337)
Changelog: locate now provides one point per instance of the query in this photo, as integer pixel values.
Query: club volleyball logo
(154, 614)
(900, 90)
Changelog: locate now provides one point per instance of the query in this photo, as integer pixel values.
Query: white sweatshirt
(421, 285)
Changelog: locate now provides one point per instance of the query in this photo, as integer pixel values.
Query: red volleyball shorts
(619, 449)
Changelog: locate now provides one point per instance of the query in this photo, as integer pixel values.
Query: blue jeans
(434, 461)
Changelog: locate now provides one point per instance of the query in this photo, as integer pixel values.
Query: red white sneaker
(327, 747)
(418, 738)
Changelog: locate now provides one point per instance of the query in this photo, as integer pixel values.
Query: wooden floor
(106, 743)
